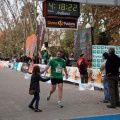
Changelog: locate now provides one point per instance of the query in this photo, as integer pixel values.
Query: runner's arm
(65, 70)
(46, 68)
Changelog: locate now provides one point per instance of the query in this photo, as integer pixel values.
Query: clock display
(62, 8)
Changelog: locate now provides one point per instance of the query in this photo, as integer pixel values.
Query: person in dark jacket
(112, 72)
(34, 85)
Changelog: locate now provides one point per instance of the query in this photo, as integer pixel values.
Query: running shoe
(31, 107)
(60, 105)
(38, 110)
(48, 97)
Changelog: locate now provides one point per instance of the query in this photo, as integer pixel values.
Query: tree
(14, 28)
(68, 41)
(101, 17)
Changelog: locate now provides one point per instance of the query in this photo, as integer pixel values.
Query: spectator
(112, 72)
(105, 81)
(36, 60)
(34, 85)
(83, 68)
(45, 57)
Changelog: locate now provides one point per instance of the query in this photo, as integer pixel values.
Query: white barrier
(94, 75)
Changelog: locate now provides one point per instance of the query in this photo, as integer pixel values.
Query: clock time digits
(62, 6)
(54, 7)
(51, 5)
(69, 7)
(75, 7)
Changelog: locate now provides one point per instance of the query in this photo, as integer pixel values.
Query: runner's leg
(53, 88)
(60, 89)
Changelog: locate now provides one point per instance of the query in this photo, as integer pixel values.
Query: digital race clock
(62, 8)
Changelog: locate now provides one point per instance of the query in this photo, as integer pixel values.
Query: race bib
(58, 69)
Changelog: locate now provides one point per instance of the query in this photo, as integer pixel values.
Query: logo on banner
(61, 23)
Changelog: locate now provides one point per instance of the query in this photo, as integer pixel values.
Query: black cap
(81, 54)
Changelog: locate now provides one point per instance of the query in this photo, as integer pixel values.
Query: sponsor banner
(83, 43)
(30, 69)
(89, 86)
(15, 65)
(97, 59)
(73, 74)
(19, 66)
(61, 23)
(94, 75)
(41, 68)
(28, 45)
(0, 63)
(24, 67)
(33, 43)
(3, 64)
(11, 65)
(7, 64)
(97, 76)
(97, 52)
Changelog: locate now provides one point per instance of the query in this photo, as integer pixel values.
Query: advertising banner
(97, 59)
(3, 63)
(73, 73)
(97, 52)
(0, 64)
(33, 43)
(94, 75)
(89, 86)
(24, 67)
(61, 23)
(83, 43)
(7, 64)
(19, 66)
(15, 65)
(28, 45)
(30, 69)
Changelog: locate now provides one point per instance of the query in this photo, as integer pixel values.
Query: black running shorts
(55, 81)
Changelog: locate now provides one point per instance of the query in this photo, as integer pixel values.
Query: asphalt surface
(14, 100)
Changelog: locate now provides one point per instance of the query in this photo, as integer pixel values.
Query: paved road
(14, 100)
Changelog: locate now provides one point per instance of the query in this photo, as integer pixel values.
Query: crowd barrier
(94, 75)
